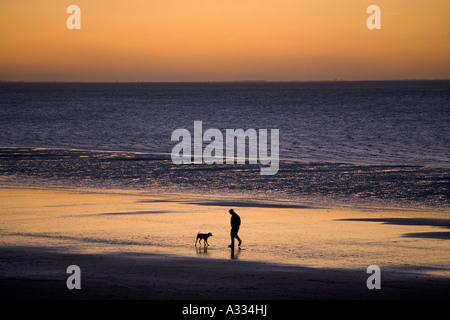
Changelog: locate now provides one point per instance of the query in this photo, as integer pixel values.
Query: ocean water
(348, 143)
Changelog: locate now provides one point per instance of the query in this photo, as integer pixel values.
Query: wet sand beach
(137, 245)
(40, 274)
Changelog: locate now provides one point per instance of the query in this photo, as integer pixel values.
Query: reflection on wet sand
(235, 253)
(202, 251)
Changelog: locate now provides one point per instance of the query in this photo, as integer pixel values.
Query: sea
(369, 144)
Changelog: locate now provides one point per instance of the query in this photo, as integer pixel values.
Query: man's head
(232, 211)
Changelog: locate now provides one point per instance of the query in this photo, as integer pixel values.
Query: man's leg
(239, 239)
(236, 236)
(233, 234)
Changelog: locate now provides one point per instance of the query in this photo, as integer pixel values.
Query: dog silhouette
(204, 237)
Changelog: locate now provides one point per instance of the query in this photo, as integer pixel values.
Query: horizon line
(226, 81)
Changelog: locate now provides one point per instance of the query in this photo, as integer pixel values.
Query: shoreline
(315, 184)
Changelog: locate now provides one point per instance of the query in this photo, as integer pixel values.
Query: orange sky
(224, 40)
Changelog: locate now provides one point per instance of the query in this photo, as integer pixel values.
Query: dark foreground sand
(40, 273)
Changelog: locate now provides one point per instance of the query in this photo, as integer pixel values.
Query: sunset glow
(199, 40)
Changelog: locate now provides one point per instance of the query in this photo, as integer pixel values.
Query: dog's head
(209, 234)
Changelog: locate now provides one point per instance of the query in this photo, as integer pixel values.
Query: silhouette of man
(235, 224)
